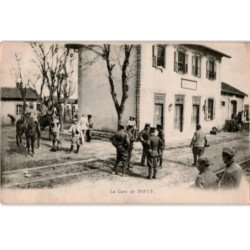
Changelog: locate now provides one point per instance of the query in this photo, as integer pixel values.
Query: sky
(235, 70)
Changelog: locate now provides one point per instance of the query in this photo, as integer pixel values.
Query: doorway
(196, 115)
(159, 114)
(178, 120)
(233, 109)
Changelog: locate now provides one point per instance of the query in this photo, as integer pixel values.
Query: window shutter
(154, 56)
(193, 65)
(175, 62)
(214, 108)
(205, 109)
(186, 63)
(207, 69)
(215, 70)
(164, 57)
(199, 66)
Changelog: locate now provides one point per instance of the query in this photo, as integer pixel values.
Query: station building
(175, 85)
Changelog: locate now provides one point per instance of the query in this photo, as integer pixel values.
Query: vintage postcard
(135, 122)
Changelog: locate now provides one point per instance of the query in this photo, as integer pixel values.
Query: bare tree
(56, 73)
(23, 81)
(126, 72)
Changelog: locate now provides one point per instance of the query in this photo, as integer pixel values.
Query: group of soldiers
(152, 144)
(152, 151)
(79, 129)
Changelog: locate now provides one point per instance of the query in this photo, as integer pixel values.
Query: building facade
(176, 85)
(12, 104)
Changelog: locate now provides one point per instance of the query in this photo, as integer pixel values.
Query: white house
(11, 103)
(232, 101)
(176, 85)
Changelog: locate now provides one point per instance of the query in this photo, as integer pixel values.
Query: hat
(147, 124)
(204, 161)
(159, 126)
(120, 127)
(152, 129)
(229, 151)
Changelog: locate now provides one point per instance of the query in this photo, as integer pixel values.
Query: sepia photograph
(135, 122)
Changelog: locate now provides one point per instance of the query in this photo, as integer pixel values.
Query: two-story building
(176, 85)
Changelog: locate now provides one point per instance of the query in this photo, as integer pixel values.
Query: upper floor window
(211, 69)
(196, 65)
(180, 61)
(159, 55)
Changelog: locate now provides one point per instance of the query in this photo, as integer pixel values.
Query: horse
(45, 121)
(28, 126)
(31, 131)
(20, 129)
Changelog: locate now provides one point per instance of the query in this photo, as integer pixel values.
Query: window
(223, 103)
(180, 61)
(211, 69)
(159, 56)
(196, 65)
(19, 109)
(210, 109)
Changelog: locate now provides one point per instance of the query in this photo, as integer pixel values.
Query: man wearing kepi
(161, 149)
(121, 142)
(198, 143)
(232, 175)
(143, 138)
(154, 144)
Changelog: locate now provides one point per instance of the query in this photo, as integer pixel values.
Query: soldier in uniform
(121, 142)
(32, 112)
(206, 178)
(55, 134)
(143, 138)
(132, 140)
(161, 149)
(75, 135)
(154, 143)
(198, 143)
(232, 175)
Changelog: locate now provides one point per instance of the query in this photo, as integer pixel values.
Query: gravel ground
(99, 158)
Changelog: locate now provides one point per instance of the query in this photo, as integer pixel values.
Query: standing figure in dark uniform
(232, 175)
(130, 131)
(161, 149)
(154, 144)
(143, 138)
(198, 143)
(121, 142)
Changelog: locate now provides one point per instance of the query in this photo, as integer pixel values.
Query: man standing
(121, 142)
(198, 143)
(55, 134)
(89, 128)
(32, 112)
(131, 139)
(161, 149)
(154, 143)
(232, 175)
(206, 178)
(143, 138)
(75, 135)
(83, 125)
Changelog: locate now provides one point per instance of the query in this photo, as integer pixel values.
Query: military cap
(147, 124)
(120, 127)
(229, 151)
(204, 161)
(159, 126)
(152, 129)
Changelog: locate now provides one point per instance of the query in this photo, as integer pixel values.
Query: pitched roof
(230, 90)
(8, 93)
(205, 48)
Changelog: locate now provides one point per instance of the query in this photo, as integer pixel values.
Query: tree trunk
(60, 113)
(64, 109)
(119, 121)
(24, 105)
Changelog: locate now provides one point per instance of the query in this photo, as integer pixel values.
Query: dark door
(196, 114)
(159, 114)
(234, 109)
(178, 120)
